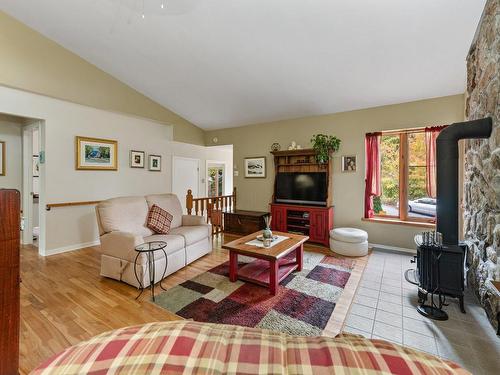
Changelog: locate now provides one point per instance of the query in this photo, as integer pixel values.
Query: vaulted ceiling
(224, 63)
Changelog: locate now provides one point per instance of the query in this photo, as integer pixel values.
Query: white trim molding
(66, 249)
(392, 249)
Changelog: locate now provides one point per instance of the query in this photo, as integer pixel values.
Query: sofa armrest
(191, 220)
(120, 244)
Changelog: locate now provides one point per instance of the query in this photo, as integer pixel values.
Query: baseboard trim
(392, 249)
(66, 249)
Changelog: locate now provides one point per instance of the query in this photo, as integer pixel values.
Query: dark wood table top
(274, 252)
(246, 213)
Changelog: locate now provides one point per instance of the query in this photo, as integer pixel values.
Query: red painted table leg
(299, 256)
(273, 276)
(233, 266)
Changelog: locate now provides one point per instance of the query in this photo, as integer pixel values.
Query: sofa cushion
(174, 243)
(193, 233)
(170, 203)
(124, 214)
(159, 220)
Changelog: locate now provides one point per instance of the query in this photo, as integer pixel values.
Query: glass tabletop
(151, 246)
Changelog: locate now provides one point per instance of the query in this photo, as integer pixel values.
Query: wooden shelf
(305, 151)
(295, 164)
(298, 226)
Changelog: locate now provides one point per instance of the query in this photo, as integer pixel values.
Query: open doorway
(216, 174)
(21, 145)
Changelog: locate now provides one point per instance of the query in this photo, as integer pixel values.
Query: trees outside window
(403, 177)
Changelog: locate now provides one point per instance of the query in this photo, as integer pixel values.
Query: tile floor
(384, 307)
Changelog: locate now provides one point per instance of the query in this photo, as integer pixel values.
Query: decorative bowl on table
(260, 237)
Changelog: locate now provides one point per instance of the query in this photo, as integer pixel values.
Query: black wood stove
(440, 256)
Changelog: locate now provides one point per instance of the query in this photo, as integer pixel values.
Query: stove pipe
(447, 173)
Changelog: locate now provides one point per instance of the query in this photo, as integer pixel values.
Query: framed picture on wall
(96, 154)
(349, 163)
(2, 158)
(155, 163)
(36, 166)
(137, 159)
(255, 167)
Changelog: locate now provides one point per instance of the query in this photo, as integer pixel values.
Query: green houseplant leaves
(324, 145)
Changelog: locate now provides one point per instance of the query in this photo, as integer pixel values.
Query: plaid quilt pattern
(159, 220)
(184, 347)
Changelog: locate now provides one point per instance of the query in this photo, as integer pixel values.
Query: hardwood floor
(65, 301)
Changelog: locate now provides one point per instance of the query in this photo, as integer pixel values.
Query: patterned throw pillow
(159, 220)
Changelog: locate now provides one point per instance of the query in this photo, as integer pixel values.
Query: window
(403, 173)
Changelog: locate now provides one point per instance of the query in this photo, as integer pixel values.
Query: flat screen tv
(301, 188)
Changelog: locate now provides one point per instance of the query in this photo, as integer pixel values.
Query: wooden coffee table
(272, 266)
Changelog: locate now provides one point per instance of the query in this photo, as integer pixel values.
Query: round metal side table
(149, 249)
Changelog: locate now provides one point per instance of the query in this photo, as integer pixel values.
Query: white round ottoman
(351, 242)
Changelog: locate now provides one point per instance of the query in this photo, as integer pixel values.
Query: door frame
(174, 159)
(27, 193)
(224, 164)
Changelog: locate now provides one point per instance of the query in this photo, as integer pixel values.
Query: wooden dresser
(10, 207)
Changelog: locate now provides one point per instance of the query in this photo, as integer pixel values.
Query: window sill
(419, 224)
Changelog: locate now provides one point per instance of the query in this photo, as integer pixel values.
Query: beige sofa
(122, 226)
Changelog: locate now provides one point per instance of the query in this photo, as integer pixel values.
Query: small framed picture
(96, 154)
(36, 166)
(155, 163)
(349, 163)
(255, 167)
(2, 158)
(137, 159)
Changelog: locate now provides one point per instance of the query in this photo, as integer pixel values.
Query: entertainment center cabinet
(303, 210)
(314, 222)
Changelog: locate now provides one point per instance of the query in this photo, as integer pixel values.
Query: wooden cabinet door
(319, 224)
(278, 222)
(9, 281)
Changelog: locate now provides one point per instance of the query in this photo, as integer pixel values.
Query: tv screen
(301, 188)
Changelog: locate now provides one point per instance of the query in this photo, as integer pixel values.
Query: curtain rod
(410, 130)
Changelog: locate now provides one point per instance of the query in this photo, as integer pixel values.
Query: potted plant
(324, 145)
(377, 205)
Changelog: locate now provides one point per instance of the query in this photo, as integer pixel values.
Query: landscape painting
(96, 154)
(255, 167)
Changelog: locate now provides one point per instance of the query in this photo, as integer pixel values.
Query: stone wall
(482, 161)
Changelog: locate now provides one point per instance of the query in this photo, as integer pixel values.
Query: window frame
(404, 180)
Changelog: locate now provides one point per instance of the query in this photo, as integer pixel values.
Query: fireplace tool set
(428, 275)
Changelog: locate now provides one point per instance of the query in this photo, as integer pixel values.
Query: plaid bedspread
(185, 347)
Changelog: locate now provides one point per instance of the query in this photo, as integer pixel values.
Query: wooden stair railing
(212, 208)
(49, 206)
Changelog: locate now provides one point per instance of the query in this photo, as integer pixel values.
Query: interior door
(185, 176)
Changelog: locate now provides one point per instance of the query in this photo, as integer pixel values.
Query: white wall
(73, 227)
(11, 134)
(69, 228)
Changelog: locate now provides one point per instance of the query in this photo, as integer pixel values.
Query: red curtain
(372, 171)
(431, 134)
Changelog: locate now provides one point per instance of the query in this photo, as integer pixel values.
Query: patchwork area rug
(303, 305)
